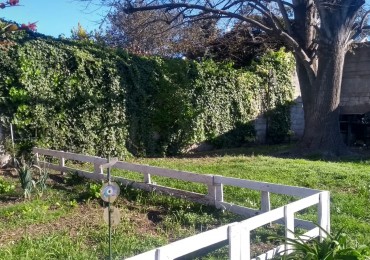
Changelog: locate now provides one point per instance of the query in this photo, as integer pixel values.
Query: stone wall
(355, 96)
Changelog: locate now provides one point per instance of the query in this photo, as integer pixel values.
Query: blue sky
(54, 17)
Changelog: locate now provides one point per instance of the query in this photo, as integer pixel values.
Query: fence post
(219, 192)
(234, 236)
(215, 192)
(37, 158)
(62, 164)
(98, 169)
(289, 227)
(324, 214)
(161, 255)
(147, 178)
(265, 201)
(245, 239)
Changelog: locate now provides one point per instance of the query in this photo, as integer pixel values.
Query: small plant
(333, 247)
(40, 184)
(28, 184)
(6, 187)
(93, 190)
(73, 203)
(25, 176)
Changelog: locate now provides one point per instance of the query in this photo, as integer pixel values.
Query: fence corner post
(324, 214)
(289, 227)
(234, 236)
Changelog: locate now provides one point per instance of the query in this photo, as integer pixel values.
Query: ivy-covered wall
(85, 98)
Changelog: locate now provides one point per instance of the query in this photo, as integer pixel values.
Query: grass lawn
(67, 222)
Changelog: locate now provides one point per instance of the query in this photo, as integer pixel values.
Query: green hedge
(90, 99)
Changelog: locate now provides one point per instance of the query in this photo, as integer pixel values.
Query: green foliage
(5, 186)
(32, 177)
(42, 177)
(333, 247)
(89, 99)
(278, 120)
(92, 190)
(276, 92)
(25, 177)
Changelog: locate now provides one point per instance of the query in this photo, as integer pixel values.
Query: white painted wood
(211, 193)
(305, 202)
(188, 195)
(112, 162)
(315, 232)
(265, 201)
(70, 156)
(98, 169)
(61, 164)
(240, 210)
(194, 243)
(180, 175)
(219, 192)
(270, 254)
(265, 186)
(263, 219)
(289, 227)
(81, 173)
(161, 254)
(300, 223)
(147, 178)
(238, 234)
(280, 249)
(144, 256)
(235, 246)
(324, 213)
(249, 213)
(245, 238)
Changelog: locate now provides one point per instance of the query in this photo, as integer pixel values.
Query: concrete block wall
(355, 95)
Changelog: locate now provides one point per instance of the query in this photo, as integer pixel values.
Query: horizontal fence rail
(236, 235)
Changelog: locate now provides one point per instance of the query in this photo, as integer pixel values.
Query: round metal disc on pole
(109, 192)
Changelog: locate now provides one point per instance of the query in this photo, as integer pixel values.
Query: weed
(6, 187)
(28, 183)
(25, 177)
(91, 191)
(42, 177)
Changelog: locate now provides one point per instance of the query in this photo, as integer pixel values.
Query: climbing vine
(86, 98)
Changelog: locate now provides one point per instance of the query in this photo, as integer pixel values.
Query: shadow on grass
(288, 151)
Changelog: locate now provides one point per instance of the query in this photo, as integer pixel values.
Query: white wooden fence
(236, 234)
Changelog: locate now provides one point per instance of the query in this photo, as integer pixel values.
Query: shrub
(85, 98)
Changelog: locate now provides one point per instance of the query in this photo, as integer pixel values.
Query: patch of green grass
(172, 218)
(347, 181)
(40, 210)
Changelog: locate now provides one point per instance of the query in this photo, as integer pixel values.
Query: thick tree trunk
(321, 104)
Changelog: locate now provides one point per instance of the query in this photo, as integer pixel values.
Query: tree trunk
(321, 103)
